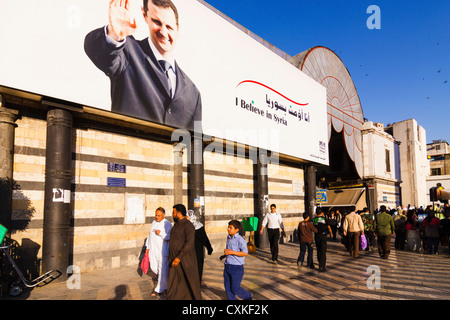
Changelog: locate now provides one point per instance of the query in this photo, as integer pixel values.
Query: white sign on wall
(134, 208)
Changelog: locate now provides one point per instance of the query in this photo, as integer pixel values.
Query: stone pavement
(405, 275)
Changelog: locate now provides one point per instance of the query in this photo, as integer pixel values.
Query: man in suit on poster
(146, 81)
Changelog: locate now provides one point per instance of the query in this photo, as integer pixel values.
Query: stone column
(58, 176)
(262, 194)
(310, 189)
(371, 196)
(7, 126)
(177, 174)
(196, 179)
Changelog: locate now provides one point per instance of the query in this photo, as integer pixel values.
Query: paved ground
(404, 276)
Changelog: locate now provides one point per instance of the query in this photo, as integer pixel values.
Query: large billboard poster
(219, 76)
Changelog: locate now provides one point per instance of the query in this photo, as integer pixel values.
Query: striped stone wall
(286, 190)
(228, 194)
(388, 194)
(102, 237)
(28, 174)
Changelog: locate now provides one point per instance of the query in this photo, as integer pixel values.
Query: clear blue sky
(399, 70)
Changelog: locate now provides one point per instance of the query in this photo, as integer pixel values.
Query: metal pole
(58, 176)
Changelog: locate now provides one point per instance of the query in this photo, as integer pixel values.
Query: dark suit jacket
(139, 85)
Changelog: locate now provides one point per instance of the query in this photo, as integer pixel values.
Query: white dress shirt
(273, 221)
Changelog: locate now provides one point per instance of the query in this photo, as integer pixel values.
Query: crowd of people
(176, 252)
(414, 229)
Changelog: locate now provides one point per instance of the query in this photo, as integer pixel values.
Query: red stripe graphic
(263, 85)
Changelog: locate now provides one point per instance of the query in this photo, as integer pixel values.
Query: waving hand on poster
(121, 21)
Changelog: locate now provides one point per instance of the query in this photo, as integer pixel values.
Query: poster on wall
(108, 55)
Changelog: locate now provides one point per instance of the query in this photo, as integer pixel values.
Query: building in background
(414, 164)
(381, 159)
(439, 156)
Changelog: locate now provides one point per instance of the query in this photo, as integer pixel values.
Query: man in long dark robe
(184, 282)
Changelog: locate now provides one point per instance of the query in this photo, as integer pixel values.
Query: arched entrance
(343, 178)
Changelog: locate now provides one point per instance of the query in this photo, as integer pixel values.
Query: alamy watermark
(73, 21)
(74, 281)
(374, 21)
(374, 280)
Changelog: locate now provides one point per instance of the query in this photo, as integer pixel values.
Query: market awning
(345, 198)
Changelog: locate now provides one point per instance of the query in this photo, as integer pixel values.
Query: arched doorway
(343, 178)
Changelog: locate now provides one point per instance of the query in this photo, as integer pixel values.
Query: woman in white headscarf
(201, 241)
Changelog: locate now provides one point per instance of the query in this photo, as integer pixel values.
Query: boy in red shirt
(305, 230)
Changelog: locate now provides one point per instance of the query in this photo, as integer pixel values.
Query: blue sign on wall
(117, 182)
(117, 167)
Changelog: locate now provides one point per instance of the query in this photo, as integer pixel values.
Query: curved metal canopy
(344, 107)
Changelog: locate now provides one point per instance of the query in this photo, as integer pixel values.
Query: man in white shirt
(274, 222)
(157, 246)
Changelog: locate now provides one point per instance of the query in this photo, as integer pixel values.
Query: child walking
(233, 272)
(305, 230)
